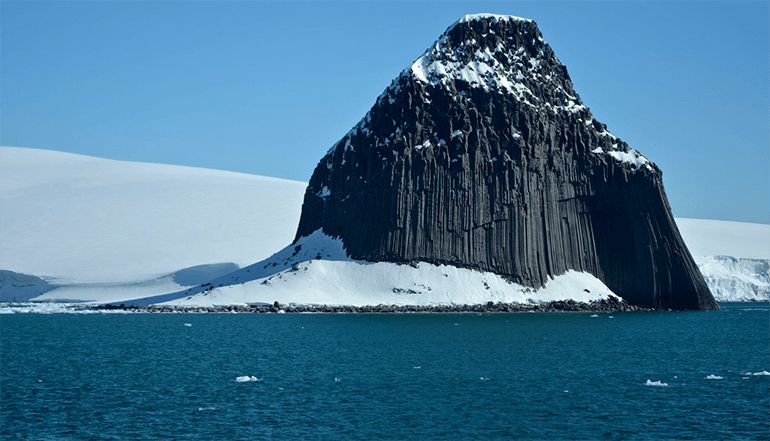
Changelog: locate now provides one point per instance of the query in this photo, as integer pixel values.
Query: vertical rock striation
(482, 155)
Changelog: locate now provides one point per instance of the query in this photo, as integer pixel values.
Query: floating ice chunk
(204, 409)
(246, 379)
(188, 324)
(337, 380)
(612, 316)
(416, 367)
(594, 315)
(484, 378)
(656, 383)
(762, 373)
(712, 377)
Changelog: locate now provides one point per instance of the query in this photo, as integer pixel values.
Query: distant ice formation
(246, 379)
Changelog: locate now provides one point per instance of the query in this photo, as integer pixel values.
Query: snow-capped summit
(489, 53)
(503, 54)
(487, 16)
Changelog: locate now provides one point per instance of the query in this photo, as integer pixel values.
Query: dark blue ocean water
(456, 376)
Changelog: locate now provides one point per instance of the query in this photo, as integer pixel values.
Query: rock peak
(482, 155)
(467, 18)
(500, 54)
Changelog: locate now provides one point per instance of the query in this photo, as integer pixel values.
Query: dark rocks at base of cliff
(608, 305)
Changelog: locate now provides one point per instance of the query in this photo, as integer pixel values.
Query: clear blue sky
(267, 87)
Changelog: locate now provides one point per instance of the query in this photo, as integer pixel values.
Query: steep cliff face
(482, 155)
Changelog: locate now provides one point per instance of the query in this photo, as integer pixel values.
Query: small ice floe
(246, 379)
(712, 377)
(612, 316)
(566, 391)
(457, 324)
(656, 383)
(761, 373)
(416, 367)
(207, 408)
(594, 315)
(188, 324)
(484, 378)
(337, 380)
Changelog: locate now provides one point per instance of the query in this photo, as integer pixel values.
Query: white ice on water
(247, 379)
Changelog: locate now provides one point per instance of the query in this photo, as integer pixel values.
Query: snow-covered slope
(317, 270)
(78, 227)
(707, 237)
(108, 229)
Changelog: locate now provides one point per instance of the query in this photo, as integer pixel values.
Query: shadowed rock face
(482, 155)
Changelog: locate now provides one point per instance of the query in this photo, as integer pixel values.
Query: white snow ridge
(101, 230)
(317, 270)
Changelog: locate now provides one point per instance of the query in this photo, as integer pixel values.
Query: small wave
(656, 383)
(337, 380)
(246, 379)
(760, 374)
(594, 315)
(612, 316)
(207, 408)
(484, 378)
(712, 377)
(416, 367)
(188, 324)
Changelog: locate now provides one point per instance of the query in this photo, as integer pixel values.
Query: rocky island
(481, 155)
(478, 181)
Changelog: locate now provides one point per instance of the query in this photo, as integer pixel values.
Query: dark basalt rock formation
(482, 155)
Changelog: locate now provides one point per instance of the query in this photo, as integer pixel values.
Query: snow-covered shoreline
(95, 230)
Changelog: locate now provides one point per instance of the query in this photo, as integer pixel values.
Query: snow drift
(100, 229)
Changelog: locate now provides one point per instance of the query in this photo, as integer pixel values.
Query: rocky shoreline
(608, 305)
